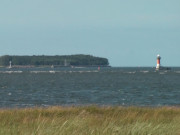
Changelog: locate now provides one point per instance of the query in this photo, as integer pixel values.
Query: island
(56, 60)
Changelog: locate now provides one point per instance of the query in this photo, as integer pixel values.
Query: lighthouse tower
(158, 66)
(10, 64)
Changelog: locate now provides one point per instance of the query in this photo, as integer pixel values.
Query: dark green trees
(73, 60)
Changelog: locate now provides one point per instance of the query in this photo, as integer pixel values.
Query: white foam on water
(39, 72)
(91, 71)
(52, 72)
(26, 105)
(10, 72)
(131, 72)
(144, 71)
(177, 71)
(46, 105)
(33, 72)
(162, 73)
(18, 71)
(81, 71)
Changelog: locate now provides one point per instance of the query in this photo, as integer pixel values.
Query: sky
(127, 32)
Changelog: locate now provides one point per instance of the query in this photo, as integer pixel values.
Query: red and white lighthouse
(158, 62)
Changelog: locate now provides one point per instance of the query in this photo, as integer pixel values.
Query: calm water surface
(85, 86)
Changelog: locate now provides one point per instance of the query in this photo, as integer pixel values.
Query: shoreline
(91, 105)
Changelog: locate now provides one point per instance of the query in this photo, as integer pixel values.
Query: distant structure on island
(65, 63)
(158, 66)
(10, 64)
(53, 61)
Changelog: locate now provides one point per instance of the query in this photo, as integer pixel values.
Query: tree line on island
(64, 60)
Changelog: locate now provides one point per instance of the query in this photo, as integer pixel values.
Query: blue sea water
(31, 87)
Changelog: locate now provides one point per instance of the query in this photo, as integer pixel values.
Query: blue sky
(127, 32)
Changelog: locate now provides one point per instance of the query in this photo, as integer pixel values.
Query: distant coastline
(79, 60)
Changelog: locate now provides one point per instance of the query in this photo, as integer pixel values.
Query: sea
(83, 86)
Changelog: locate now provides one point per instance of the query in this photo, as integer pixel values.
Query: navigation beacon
(158, 66)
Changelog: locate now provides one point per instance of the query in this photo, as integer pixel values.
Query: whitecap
(9, 72)
(38, 72)
(162, 73)
(131, 72)
(177, 71)
(18, 71)
(82, 71)
(52, 72)
(144, 71)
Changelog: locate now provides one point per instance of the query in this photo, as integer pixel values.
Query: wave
(38, 72)
(177, 72)
(10, 72)
(51, 71)
(144, 71)
(130, 72)
(162, 73)
(82, 71)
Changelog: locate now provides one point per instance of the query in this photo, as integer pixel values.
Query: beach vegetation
(90, 120)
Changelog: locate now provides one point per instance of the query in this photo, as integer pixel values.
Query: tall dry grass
(90, 120)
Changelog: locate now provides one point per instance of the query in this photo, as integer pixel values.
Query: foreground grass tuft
(90, 120)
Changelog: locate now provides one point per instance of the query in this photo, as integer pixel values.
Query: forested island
(57, 60)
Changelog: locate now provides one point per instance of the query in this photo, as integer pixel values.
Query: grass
(90, 120)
